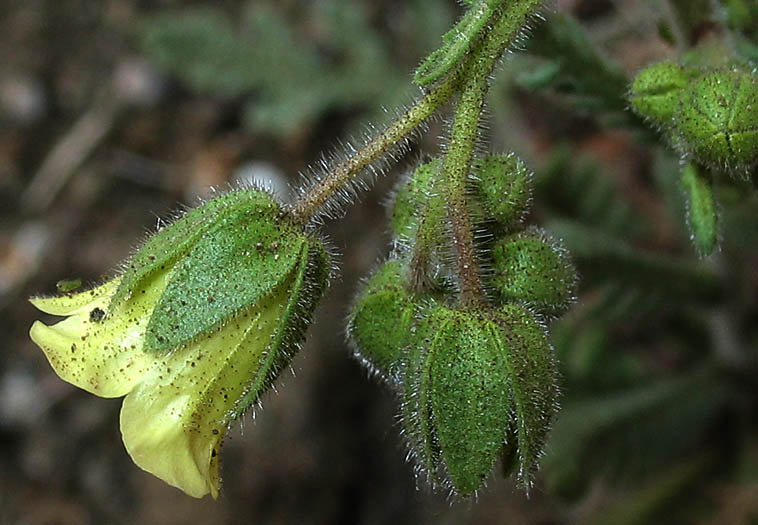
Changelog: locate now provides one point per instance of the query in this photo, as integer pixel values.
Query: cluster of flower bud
(476, 385)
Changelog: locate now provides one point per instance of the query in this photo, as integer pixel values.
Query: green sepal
(457, 42)
(308, 282)
(469, 392)
(478, 387)
(416, 407)
(380, 320)
(505, 188)
(248, 254)
(173, 241)
(656, 90)
(574, 65)
(701, 208)
(412, 196)
(533, 268)
(742, 15)
(532, 382)
(716, 120)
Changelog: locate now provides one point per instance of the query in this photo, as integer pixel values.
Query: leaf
(457, 42)
(701, 210)
(612, 258)
(639, 429)
(578, 69)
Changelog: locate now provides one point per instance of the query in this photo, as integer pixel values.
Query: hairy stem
(512, 17)
(507, 23)
(309, 204)
(456, 168)
(460, 153)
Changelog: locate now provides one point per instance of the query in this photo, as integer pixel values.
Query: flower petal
(173, 423)
(94, 349)
(71, 304)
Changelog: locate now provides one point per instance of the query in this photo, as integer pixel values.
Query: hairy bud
(476, 387)
(532, 268)
(380, 320)
(505, 188)
(709, 115)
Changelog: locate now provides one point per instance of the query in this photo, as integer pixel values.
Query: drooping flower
(202, 320)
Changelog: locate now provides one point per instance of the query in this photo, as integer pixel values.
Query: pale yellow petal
(70, 304)
(101, 353)
(173, 423)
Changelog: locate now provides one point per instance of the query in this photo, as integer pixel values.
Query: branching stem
(470, 79)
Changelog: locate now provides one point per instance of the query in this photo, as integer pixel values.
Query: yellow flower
(181, 400)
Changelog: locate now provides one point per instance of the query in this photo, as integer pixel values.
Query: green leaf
(572, 185)
(702, 216)
(202, 47)
(457, 42)
(608, 257)
(596, 83)
(657, 501)
(227, 269)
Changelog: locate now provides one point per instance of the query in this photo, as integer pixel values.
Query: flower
(197, 327)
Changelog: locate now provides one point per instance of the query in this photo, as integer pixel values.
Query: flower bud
(505, 187)
(656, 90)
(716, 119)
(532, 268)
(475, 387)
(412, 196)
(199, 324)
(380, 320)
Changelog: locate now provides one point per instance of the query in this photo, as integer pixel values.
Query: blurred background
(115, 112)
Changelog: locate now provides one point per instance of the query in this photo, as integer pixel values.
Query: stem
(511, 19)
(463, 136)
(309, 204)
(460, 152)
